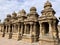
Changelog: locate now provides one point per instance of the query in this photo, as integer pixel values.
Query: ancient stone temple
(31, 27)
(48, 25)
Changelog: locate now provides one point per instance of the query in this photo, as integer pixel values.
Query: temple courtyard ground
(5, 41)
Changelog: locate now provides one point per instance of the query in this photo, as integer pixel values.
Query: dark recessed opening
(46, 27)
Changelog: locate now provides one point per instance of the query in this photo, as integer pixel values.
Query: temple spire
(47, 4)
(48, 10)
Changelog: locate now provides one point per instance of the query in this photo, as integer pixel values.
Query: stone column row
(6, 28)
(52, 29)
(26, 28)
(31, 28)
(42, 31)
(21, 30)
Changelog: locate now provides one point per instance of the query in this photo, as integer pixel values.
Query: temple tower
(31, 26)
(48, 26)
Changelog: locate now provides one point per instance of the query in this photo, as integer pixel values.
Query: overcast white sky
(9, 6)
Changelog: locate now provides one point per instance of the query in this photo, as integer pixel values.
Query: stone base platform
(27, 38)
(7, 35)
(48, 42)
(15, 36)
(1, 33)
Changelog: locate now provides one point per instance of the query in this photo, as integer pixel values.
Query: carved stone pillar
(6, 29)
(40, 29)
(19, 34)
(35, 35)
(14, 28)
(3, 31)
(21, 30)
(25, 29)
(34, 28)
(10, 32)
(55, 30)
(9, 28)
(50, 30)
(18, 28)
(31, 29)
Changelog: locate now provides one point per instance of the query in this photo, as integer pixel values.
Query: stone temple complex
(31, 27)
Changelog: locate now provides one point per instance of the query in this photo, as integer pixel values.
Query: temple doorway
(45, 27)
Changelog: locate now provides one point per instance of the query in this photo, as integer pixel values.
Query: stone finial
(22, 12)
(47, 4)
(33, 13)
(32, 9)
(48, 10)
(8, 15)
(14, 14)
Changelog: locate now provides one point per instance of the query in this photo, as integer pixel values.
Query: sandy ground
(5, 41)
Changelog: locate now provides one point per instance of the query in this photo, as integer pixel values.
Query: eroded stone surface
(30, 29)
